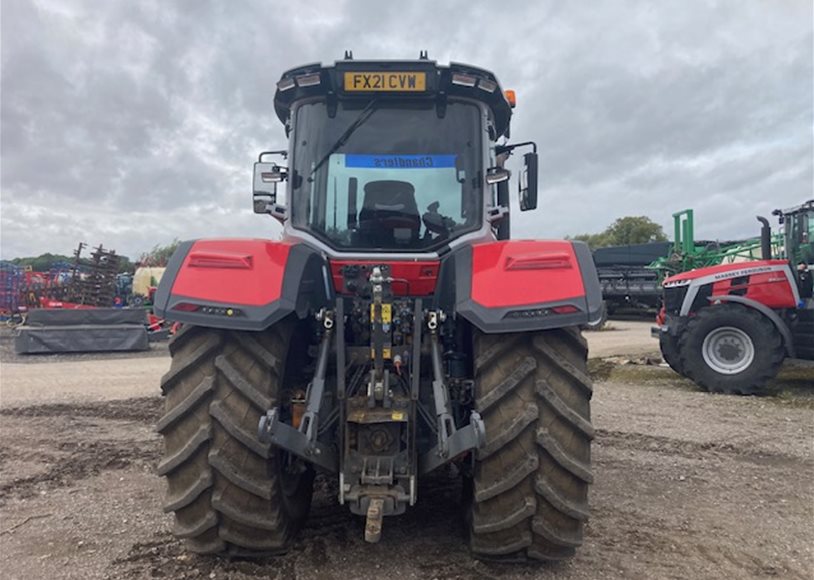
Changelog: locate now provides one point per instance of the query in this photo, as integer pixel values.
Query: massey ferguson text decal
(745, 272)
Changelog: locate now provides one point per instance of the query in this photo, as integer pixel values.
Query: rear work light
(487, 85)
(311, 80)
(463, 80)
(286, 84)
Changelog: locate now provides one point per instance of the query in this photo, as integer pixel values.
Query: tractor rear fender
(521, 285)
(781, 326)
(768, 282)
(242, 284)
(764, 285)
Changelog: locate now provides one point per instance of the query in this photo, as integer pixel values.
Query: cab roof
(392, 79)
(806, 207)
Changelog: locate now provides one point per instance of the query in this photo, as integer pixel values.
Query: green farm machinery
(689, 254)
(629, 281)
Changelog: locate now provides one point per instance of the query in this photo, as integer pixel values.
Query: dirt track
(688, 485)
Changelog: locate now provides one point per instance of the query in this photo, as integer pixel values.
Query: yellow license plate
(385, 81)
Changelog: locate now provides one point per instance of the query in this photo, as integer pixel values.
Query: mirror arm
(270, 207)
(495, 213)
(501, 149)
(278, 212)
(283, 153)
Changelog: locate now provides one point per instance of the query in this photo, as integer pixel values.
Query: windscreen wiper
(366, 113)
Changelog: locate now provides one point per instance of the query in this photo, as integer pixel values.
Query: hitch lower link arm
(451, 440)
(302, 441)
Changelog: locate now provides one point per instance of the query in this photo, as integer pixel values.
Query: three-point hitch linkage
(373, 401)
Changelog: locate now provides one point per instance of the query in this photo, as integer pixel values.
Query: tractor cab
(396, 157)
(797, 225)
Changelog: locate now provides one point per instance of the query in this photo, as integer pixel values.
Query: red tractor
(729, 327)
(376, 343)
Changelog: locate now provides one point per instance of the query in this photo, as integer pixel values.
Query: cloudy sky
(132, 123)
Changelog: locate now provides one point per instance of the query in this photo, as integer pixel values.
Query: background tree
(624, 231)
(44, 262)
(159, 255)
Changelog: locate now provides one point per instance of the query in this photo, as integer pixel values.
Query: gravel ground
(688, 484)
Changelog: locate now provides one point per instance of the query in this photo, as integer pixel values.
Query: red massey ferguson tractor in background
(395, 329)
(729, 327)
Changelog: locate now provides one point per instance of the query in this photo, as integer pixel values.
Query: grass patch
(600, 369)
(650, 375)
(793, 386)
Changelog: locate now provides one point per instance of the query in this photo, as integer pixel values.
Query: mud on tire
(230, 493)
(766, 340)
(668, 344)
(530, 489)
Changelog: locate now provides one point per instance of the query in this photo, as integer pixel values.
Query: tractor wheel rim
(728, 350)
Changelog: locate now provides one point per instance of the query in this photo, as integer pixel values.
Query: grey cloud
(131, 123)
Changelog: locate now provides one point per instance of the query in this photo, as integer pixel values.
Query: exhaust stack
(765, 238)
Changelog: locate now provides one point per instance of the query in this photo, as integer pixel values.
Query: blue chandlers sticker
(400, 161)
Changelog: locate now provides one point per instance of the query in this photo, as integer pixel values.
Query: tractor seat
(389, 215)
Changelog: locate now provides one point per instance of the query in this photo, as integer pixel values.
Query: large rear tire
(730, 348)
(229, 492)
(668, 344)
(530, 492)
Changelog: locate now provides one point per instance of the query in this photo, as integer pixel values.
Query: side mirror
(528, 182)
(496, 175)
(264, 196)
